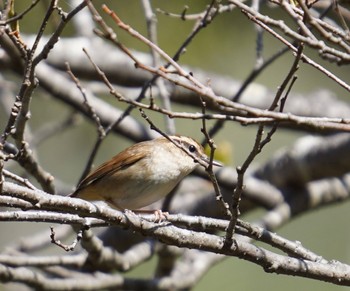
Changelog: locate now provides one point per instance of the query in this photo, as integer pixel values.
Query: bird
(143, 173)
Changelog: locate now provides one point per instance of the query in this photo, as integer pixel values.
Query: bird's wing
(109, 168)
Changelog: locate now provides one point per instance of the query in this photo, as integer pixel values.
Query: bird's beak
(214, 163)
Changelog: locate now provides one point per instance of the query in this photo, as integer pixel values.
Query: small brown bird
(143, 173)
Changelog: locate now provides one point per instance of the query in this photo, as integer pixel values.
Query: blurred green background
(227, 46)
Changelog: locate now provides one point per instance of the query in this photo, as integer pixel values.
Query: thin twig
(20, 15)
(18, 179)
(101, 133)
(224, 103)
(66, 247)
(163, 92)
(258, 146)
(259, 19)
(209, 169)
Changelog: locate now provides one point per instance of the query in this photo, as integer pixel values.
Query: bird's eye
(192, 148)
